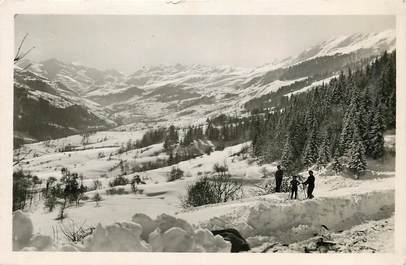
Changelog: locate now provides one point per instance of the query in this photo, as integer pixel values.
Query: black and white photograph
(204, 133)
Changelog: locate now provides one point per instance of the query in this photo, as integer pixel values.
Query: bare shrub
(225, 188)
(220, 168)
(119, 181)
(199, 193)
(135, 181)
(97, 198)
(176, 173)
(216, 189)
(74, 232)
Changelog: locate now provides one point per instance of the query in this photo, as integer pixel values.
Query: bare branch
(18, 57)
(25, 54)
(21, 44)
(74, 233)
(19, 47)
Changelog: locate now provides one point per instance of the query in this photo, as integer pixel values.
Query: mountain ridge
(162, 94)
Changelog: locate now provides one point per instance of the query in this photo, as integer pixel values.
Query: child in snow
(310, 185)
(293, 187)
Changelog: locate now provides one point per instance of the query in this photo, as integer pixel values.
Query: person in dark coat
(278, 179)
(310, 185)
(293, 187)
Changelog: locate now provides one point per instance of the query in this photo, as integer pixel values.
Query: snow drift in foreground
(285, 222)
(164, 234)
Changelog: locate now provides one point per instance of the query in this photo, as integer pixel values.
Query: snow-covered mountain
(368, 43)
(46, 109)
(197, 91)
(191, 93)
(78, 78)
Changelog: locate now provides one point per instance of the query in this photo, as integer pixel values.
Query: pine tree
(256, 137)
(391, 112)
(188, 138)
(171, 138)
(376, 138)
(171, 160)
(210, 131)
(357, 161)
(287, 161)
(337, 166)
(353, 117)
(366, 113)
(324, 152)
(390, 117)
(310, 153)
(225, 132)
(346, 134)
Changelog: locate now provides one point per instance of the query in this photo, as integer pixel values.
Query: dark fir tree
(324, 156)
(171, 138)
(376, 137)
(337, 166)
(310, 153)
(357, 162)
(287, 160)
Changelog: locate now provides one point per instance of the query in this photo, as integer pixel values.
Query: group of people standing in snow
(294, 183)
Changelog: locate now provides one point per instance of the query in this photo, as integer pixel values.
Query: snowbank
(368, 237)
(166, 233)
(292, 221)
(263, 219)
(124, 236)
(23, 237)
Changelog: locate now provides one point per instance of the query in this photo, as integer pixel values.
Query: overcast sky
(127, 43)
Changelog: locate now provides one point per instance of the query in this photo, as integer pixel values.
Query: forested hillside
(342, 121)
(346, 117)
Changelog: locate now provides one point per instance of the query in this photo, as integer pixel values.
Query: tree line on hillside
(153, 136)
(342, 122)
(345, 118)
(187, 147)
(225, 132)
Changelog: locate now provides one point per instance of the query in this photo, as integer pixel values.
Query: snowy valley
(135, 146)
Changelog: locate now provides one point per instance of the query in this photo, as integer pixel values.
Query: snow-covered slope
(373, 43)
(47, 109)
(341, 203)
(78, 78)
